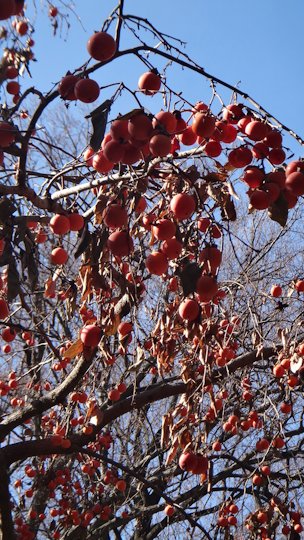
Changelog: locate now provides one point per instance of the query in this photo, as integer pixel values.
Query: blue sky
(256, 44)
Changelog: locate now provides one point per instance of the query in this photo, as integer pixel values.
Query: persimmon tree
(151, 299)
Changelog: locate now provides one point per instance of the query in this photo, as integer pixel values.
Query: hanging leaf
(70, 300)
(111, 328)
(30, 262)
(296, 363)
(7, 208)
(215, 192)
(83, 243)
(165, 431)
(99, 211)
(7, 253)
(189, 276)
(32, 271)
(172, 452)
(95, 415)
(232, 191)
(74, 350)
(192, 173)
(140, 357)
(228, 210)
(13, 281)
(49, 288)
(99, 118)
(278, 211)
(130, 114)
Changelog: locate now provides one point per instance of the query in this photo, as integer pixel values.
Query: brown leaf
(255, 338)
(13, 281)
(278, 211)
(130, 114)
(215, 192)
(282, 335)
(30, 262)
(95, 414)
(99, 118)
(290, 292)
(172, 452)
(165, 431)
(7, 208)
(192, 173)
(140, 357)
(189, 275)
(99, 211)
(227, 167)
(295, 363)
(74, 350)
(228, 210)
(83, 243)
(111, 328)
(49, 288)
(232, 191)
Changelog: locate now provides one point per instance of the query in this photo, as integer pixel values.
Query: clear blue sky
(258, 44)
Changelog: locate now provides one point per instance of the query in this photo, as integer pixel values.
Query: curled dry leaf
(94, 414)
(167, 422)
(74, 350)
(99, 211)
(282, 334)
(296, 363)
(49, 288)
(172, 452)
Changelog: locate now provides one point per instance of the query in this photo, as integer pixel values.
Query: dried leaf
(189, 275)
(7, 208)
(30, 261)
(215, 192)
(99, 241)
(85, 282)
(228, 210)
(185, 439)
(291, 290)
(153, 237)
(165, 431)
(278, 211)
(99, 212)
(130, 114)
(192, 173)
(282, 335)
(259, 350)
(295, 363)
(7, 254)
(227, 167)
(95, 414)
(74, 350)
(99, 118)
(255, 338)
(83, 243)
(13, 281)
(111, 329)
(232, 191)
(140, 357)
(71, 306)
(49, 288)
(32, 270)
(172, 453)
